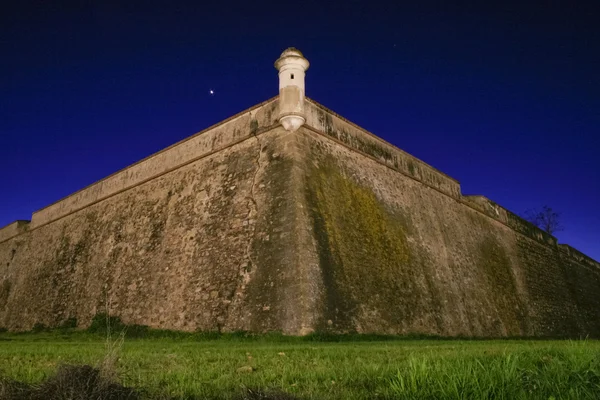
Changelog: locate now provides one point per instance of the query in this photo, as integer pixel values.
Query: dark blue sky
(505, 98)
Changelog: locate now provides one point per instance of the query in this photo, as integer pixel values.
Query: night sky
(505, 99)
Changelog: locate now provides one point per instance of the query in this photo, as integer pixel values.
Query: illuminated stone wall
(246, 226)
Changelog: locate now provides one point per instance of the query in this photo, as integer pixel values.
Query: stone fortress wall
(173, 246)
(247, 226)
(438, 262)
(202, 144)
(321, 119)
(351, 135)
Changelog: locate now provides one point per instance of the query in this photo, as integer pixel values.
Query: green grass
(204, 366)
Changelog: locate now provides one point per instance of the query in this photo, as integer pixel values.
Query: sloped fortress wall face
(397, 256)
(206, 246)
(212, 140)
(247, 226)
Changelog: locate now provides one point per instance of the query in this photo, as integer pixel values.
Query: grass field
(199, 367)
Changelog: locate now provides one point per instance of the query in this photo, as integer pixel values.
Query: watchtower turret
(291, 66)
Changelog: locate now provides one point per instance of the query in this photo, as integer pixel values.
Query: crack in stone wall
(252, 203)
(249, 263)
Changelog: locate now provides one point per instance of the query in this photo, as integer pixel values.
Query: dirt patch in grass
(71, 382)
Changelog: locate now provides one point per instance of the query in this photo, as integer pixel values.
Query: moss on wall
(511, 314)
(363, 251)
(398, 258)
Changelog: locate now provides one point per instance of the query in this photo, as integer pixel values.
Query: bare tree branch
(545, 218)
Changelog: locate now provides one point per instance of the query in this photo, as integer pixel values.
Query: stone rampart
(571, 252)
(510, 219)
(13, 229)
(326, 121)
(399, 257)
(209, 141)
(246, 226)
(206, 246)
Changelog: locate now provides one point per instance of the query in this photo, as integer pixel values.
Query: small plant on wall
(545, 218)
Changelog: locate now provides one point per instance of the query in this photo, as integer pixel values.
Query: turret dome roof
(291, 51)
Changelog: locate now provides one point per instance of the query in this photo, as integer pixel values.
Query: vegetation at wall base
(102, 325)
(161, 365)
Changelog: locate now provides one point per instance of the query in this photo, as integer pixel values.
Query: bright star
(211, 92)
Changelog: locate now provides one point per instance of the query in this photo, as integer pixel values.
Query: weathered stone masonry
(323, 226)
(468, 266)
